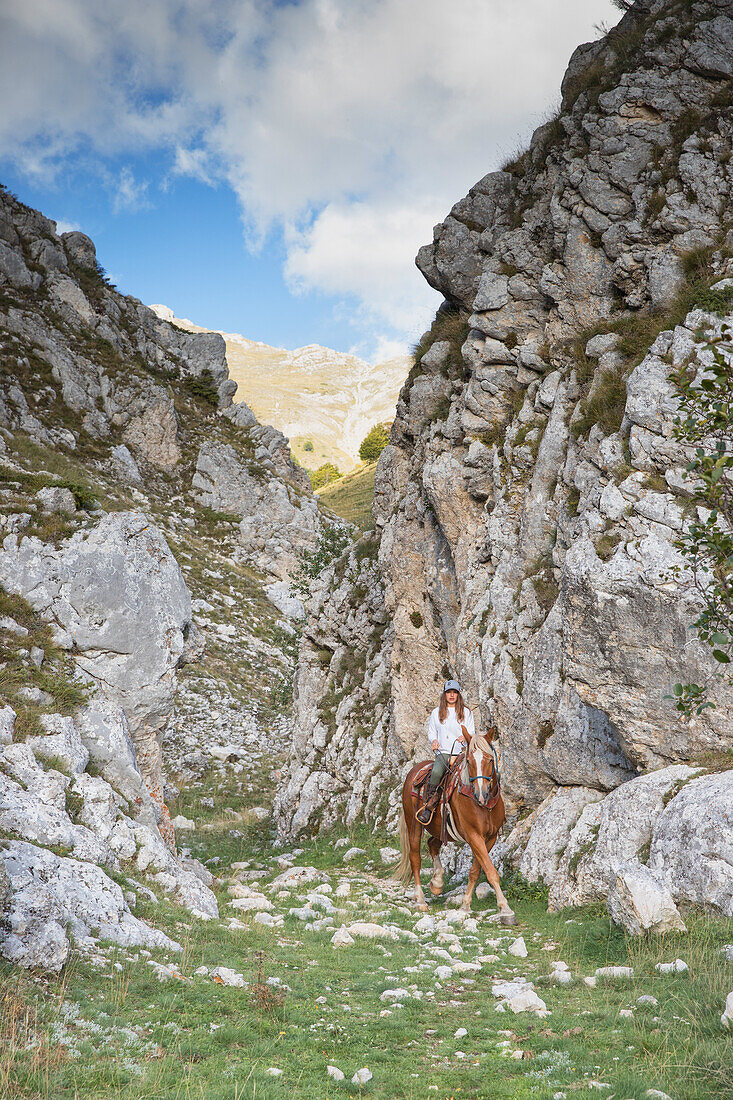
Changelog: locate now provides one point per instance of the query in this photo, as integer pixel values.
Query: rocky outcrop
(118, 602)
(106, 411)
(257, 480)
(530, 499)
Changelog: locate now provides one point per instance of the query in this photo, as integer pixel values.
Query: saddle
(456, 779)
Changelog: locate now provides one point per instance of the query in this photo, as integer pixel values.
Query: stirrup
(425, 814)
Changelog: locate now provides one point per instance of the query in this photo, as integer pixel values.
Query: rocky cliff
(527, 507)
(128, 480)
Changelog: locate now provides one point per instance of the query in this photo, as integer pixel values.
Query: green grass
(351, 496)
(170, 1050)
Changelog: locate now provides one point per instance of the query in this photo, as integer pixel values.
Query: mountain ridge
(312, 394)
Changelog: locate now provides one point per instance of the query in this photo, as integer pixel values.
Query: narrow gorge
(213, 683)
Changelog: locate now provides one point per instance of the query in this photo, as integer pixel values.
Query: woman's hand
(435, 745)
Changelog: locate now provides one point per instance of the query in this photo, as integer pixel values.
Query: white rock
(361, 1076)
(394, 995)
(297, 876)
(226, 976)
(183, 823)
(425, 924)
(370, 931)
(7, 725)
(53, 895)
(342, 938)
(727, 1018)
(460, 1033)
(657, 1094)
(527, 1001)
(639, 902)
(62, 742)
(389, 855)
(352, 853)
(676, 967)
(443, 973)
(614, 972)
(647, 999)
(518, 948)
(482, 891)
(335, 1072)
(257, 902)
(343, 890)
(273, 1071)
(591, 982)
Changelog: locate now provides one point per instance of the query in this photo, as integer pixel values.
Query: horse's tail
(403, 871)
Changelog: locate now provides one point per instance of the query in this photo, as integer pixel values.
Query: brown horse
(475, 822)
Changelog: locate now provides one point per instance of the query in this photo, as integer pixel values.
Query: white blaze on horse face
(480, 781)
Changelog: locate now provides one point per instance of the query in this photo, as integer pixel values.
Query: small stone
(361, 1076)
(183, 823)
(591, 982)
(342, 937)
(389, 855)
(727, 1018)
(518, 948)
(615, 972)
(273, 1071)
(223, 975)
(343, 890)
(482, 891)
(37, 656)
(394, 995)
(657, 1094)
(627, 1013)
(335, 1072)
(647, 999)
(460, 1033)
(676, 967)
(353, 853)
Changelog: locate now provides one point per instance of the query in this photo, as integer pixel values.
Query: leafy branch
(705, 423)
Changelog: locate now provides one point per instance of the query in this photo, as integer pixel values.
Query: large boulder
(117, 599)
(692, 845)
(53, 898)
(639, 902)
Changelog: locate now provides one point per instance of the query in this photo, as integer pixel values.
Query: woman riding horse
(447, 740)
(475, 805)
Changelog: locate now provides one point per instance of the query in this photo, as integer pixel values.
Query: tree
(705, 423)
(374, 443)
(324, 475)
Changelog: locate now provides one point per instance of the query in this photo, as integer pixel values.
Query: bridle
(493, 780)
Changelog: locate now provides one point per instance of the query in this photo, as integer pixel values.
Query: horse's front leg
(473, 877)
(436, 880)
(481, 853)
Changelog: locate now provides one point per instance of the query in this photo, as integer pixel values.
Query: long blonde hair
(443, 708)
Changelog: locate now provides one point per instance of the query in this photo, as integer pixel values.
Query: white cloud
(129, 194)
(62, 226)
(351, 124)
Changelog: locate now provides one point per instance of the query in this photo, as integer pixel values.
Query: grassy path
(109, 1027)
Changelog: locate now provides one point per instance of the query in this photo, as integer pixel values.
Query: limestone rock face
(280, 516)
(117, 593)
(532, 493)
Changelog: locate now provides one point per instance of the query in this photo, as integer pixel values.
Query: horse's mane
(478, 741)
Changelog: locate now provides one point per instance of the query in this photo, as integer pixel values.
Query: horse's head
(481, 765)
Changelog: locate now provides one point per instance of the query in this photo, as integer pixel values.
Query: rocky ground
(319, 978)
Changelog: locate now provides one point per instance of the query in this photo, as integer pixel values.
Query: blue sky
(272, 168)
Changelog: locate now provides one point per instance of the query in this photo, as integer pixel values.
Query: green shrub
(416, 619)
(324, 475)
(374, 443)
(307, 446)
(202, 387)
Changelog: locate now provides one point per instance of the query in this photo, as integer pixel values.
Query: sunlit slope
(313, 394)
(351, 496)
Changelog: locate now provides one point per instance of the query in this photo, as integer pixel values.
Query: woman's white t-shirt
(446, 733)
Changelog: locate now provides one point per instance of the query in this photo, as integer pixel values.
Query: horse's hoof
(436, 890)
(423, 908)
(508, 919)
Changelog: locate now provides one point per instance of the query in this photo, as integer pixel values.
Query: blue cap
(451, 685)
